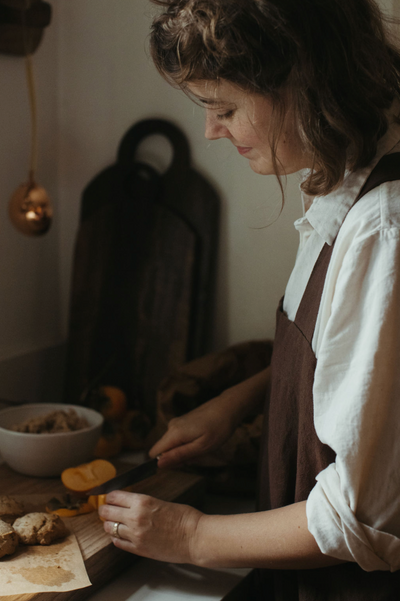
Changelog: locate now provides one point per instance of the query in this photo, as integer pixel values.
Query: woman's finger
(120, 498)
(125, 545)
(182, 454)
(121, 505)
(111, 513)
(170, 440)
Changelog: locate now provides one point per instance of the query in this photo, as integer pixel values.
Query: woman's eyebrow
(211, 101)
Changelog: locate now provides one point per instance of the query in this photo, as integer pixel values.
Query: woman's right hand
(207, 427)
(198, 432)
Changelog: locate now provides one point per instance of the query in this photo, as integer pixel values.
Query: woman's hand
(196, 433)
(151, 528)
(207, 427)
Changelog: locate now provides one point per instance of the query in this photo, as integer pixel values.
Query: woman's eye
(226, 115)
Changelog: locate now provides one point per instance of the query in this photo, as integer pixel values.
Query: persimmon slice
(96, 500)
(84, 477)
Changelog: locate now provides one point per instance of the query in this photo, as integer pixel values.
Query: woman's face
(245, 119)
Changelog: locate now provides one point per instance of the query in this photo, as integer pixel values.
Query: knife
(136, 474)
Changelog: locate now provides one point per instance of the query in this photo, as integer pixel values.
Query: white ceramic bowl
(45, 455)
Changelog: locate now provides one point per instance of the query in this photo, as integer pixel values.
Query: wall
(30, 314)
(95, 80)
(108, 83)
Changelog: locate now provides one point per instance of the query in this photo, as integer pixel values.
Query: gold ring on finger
(115, 529)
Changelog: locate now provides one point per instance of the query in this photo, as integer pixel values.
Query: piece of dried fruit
(68, 506)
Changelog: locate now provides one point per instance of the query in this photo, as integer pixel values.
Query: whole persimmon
(110, 401)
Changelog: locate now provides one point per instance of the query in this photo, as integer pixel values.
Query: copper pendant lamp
(30, 208)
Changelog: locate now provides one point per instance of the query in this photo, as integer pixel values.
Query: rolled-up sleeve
(354, 509)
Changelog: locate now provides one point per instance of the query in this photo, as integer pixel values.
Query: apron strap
(386, 170)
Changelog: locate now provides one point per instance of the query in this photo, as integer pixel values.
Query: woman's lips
(243, 149)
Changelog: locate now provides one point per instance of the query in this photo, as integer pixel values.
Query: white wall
(95, 80)
(30, 309)
(29, 277)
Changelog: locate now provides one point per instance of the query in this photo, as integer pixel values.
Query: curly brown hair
(334, 56)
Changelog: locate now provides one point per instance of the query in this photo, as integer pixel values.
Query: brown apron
(292, 454)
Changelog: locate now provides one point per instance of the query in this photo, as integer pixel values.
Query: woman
(296, 85)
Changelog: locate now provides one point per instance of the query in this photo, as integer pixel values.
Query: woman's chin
(261, 169)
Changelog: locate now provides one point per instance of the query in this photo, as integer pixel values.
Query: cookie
(39, 528)
(8, 539)
(10, 509)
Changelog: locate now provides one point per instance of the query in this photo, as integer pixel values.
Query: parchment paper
(43, 569)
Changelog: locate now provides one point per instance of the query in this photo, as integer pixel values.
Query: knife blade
(136, 474)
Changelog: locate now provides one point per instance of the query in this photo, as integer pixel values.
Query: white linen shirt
(353, 511)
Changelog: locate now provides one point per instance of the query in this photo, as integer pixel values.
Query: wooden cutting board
(143, 278)
(103, 561)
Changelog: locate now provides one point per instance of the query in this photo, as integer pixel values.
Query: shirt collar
(327, 213)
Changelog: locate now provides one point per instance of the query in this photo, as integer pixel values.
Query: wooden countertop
(103, 561)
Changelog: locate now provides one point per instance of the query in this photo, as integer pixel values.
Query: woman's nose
(214, 130)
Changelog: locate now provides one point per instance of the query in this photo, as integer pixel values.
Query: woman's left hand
(150, 527)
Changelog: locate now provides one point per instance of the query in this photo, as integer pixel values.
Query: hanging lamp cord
(32, 94)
